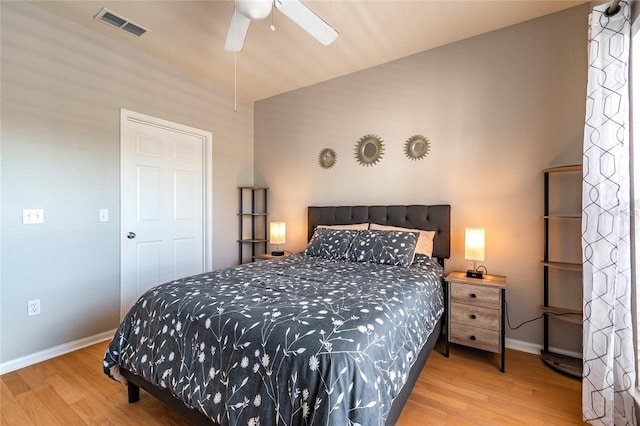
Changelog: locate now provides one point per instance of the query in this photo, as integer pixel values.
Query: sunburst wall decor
(369, 150)
(417, 147)
(327, 158)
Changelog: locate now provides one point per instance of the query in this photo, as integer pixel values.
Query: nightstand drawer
(475, 295)
(480, 338)
(475, 316)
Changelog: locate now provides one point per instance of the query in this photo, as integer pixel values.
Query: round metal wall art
(369, 150)
(327, 158)
(417, 147)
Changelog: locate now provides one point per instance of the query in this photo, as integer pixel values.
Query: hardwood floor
(465, 389)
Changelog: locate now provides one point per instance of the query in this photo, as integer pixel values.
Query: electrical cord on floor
(531, 320)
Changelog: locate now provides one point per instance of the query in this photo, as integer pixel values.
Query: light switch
(103, 215)
(32, 216)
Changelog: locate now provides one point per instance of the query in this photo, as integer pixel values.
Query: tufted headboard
(432, 218)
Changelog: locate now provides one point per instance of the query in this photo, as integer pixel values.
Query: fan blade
(307, 20)
(238, 28)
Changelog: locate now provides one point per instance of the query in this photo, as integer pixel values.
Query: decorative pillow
(330, 243)
(425, 242)
(387, 247)
(352, 227)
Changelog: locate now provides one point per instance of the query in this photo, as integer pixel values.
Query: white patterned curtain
(609, 376)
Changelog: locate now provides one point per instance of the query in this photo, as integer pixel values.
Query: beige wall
(497, 108)
(62, 90)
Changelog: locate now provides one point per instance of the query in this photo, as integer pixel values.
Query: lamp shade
(474, 242)
(278, 232)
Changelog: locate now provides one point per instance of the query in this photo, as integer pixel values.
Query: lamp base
(277, 253)
(474, 274)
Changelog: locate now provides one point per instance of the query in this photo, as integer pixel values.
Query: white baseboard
(533, 348)
(25, 361)
(522, 346)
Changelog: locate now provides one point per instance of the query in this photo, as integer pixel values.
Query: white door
(164, 204)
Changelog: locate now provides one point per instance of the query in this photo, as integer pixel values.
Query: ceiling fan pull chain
(273, 27)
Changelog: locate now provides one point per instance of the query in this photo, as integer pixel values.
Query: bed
(313, 338)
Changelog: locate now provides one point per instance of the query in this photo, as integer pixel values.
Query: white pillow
(352, 227)
(425, 241)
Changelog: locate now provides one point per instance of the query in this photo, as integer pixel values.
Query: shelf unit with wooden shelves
(555, 225)
(253, 216)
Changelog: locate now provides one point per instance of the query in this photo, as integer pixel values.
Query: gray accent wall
(62, 90)
(497, 108)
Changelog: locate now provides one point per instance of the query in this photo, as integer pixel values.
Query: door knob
(131, 235)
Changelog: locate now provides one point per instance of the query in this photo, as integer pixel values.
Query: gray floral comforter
(295, 341)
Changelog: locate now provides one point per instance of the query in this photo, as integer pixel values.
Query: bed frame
(433, 218)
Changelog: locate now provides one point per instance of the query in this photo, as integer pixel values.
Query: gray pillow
(330, 243)
(386, 247)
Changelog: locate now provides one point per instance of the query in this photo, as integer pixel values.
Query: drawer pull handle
(472, 337)
(473, 295)
(473, 316)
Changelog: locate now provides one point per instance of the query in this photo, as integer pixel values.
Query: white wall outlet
(33, 307)
(103, 215)
(32, 216)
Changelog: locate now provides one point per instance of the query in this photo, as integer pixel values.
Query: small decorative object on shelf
(369, 150)
(558, 272)
(476, 312)
(327, 158)
(417, 147)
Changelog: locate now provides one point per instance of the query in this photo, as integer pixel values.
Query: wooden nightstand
(476, 312)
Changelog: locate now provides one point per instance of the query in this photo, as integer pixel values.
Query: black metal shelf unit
(253, 220)
(567, 364)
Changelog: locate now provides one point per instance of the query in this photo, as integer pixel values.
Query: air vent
(120, 22)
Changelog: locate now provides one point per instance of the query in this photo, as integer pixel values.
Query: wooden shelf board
(563, 314)
(253, 241)
(566, 364)
(561, 169)
(563, 265)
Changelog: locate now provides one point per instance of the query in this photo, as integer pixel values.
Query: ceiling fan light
(254, 9)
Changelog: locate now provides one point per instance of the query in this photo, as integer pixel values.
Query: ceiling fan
(247, 10)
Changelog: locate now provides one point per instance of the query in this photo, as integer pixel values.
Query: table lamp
(277, 236)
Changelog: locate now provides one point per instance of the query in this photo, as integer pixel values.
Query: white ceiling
(191, 35)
